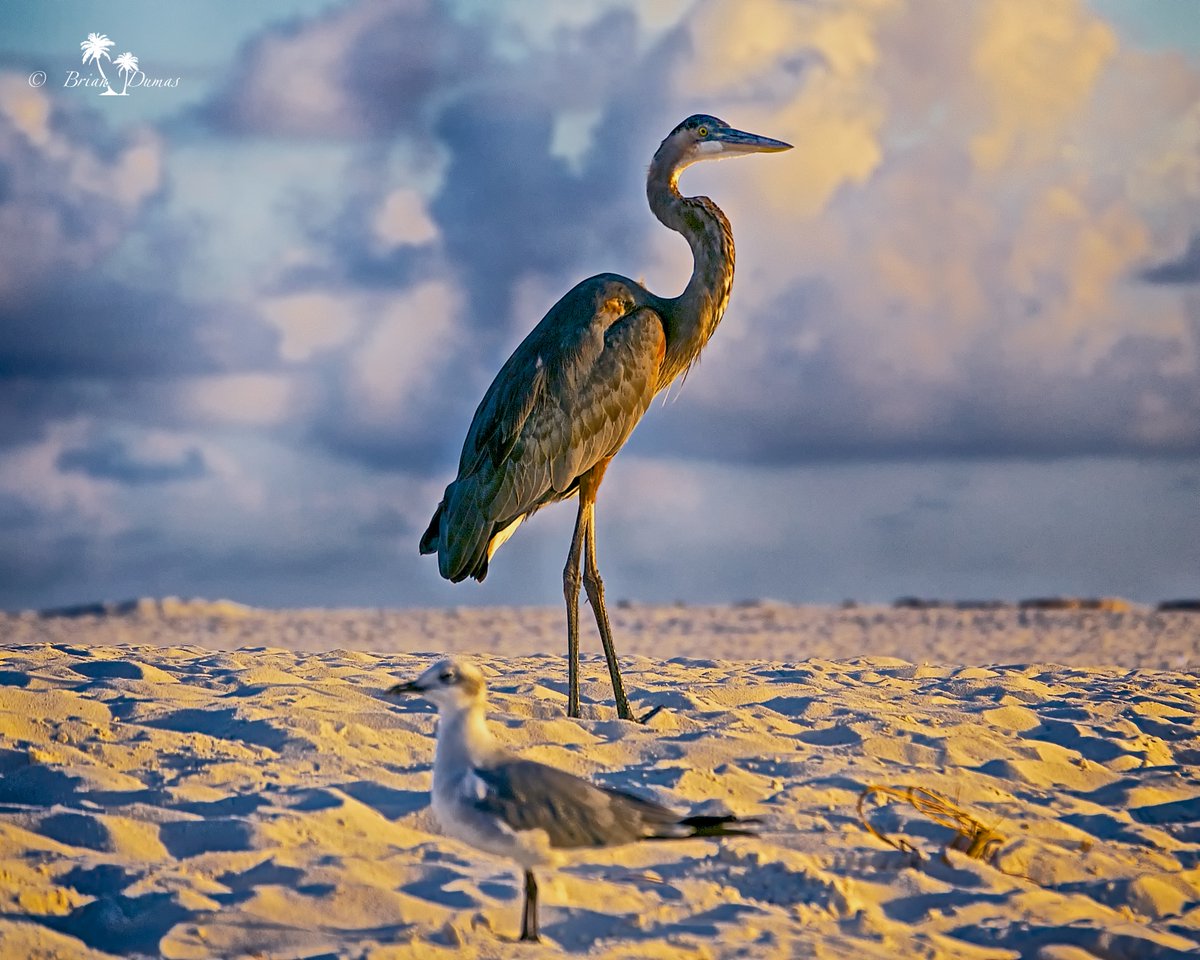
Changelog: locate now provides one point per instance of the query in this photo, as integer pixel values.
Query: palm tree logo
(95, 47)
(127, 64)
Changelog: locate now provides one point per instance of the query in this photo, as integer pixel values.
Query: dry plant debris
(977, 841)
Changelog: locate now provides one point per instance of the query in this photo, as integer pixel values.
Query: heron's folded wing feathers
(568, 398)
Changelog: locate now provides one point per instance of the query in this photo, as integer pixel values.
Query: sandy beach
(214, 781)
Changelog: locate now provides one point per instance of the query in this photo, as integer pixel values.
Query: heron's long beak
(738, 141)
(410, 686)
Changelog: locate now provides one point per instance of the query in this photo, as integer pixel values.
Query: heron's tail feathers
(459, 536)
(429, 539)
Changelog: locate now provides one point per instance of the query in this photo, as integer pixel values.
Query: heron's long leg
(529, 918)
(571, 581)
(595, 588)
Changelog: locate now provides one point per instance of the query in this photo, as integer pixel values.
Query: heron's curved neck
(692, 316)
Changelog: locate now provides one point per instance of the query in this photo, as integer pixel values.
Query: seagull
(523, 810)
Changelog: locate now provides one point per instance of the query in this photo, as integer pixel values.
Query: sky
(247, 310)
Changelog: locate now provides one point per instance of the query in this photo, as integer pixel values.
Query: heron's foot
(650, 714)
(624, 711)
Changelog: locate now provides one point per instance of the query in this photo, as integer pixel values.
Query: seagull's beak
(738, 141)
(410, 686)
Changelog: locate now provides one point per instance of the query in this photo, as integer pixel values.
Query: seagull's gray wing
(527, 795)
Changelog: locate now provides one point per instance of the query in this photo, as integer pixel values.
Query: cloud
(309, 323)
(90, 326)
(1036, 65)
(91, 310)
(511, 209)
(400, 372)
(1183, 269)
(92, 346)
(403, 221)
(112, 460)
(486, 189)
(263, 522)
(398, 359)
(71, 189)
(488, 121)
(252, 338)
(256, 399)
(359, 70)
(934, 271)
(958, 284)
(59, 508)
(869, 531)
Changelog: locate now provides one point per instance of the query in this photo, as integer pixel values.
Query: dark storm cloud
(381, 447)
(112, 460)
(91, 346)
(1184, 269)
(510, 210)
(89, 327)
(510, 207)
(360, 70)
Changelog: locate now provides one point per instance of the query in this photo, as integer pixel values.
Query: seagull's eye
(447, 676)
(702, 131)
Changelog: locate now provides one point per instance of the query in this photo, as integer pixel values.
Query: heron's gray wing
(567, 398)
(593, 398)
(527, 795)
(581, 379)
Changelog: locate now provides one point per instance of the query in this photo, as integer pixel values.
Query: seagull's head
(450, 684)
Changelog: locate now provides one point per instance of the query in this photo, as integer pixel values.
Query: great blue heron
(569, 396)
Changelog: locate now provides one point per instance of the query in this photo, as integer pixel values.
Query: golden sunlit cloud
(1037, 63)
(26, 107)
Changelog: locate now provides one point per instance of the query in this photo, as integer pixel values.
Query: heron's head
(701, 137)
(451, 683)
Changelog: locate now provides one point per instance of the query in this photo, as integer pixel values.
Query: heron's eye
(702, 131)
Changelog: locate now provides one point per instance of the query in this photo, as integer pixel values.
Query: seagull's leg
(595, 586)
(529, 919)
(571, 581)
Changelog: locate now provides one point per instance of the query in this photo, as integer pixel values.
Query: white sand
(163, 799)
(765, 630)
